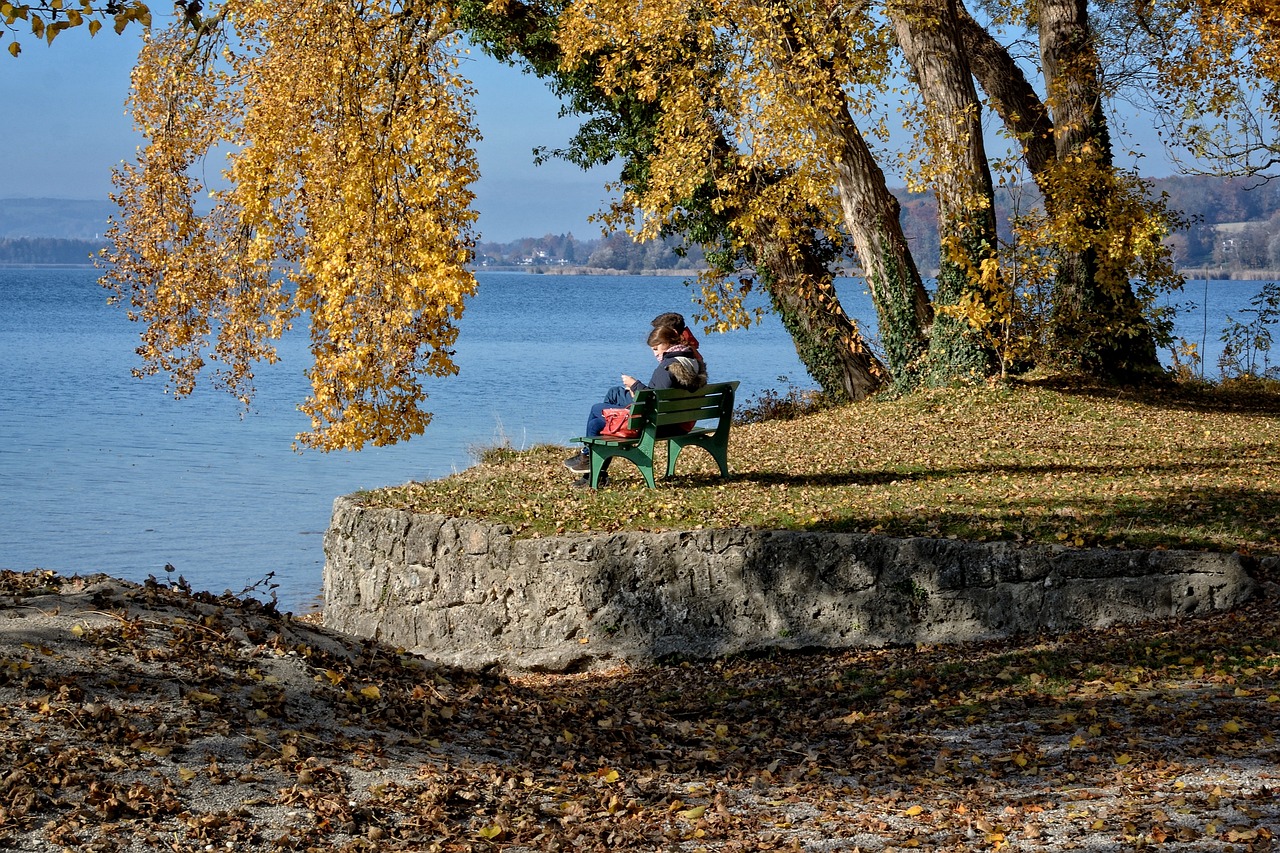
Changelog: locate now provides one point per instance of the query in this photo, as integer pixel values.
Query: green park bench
(655, 409)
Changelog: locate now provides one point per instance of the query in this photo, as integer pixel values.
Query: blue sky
(64, 127)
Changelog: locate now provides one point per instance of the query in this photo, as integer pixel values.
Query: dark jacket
(681, 367)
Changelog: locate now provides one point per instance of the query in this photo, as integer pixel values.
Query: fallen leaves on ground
(1058, 464)
(148, 718)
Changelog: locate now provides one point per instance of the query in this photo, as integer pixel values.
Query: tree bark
(871, 216)
(1097, 325)
(799, 281)
(929, 35)
(1012, 98)
(828, 342)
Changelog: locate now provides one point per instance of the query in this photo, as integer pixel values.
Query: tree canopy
(350, 141)
(1212, 79)
(760, 130)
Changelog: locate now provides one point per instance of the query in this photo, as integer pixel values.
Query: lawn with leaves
(1055, 462)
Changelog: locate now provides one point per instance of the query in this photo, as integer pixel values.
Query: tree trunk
(871, 216)
(1097, 325)
(929, 35)
(1012, 98)
(828, 342)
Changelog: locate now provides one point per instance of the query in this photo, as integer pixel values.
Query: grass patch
(1051, 462)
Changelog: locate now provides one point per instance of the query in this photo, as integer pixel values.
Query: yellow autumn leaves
(749, 103)
(313, 165)
(746, 90)
(346, 205)
(48, 18)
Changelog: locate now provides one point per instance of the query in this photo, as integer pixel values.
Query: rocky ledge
(469, 593)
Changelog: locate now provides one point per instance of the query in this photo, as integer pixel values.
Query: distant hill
(70, 219)
(48, 251)
(1233, 225)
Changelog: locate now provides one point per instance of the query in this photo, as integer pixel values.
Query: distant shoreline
(1230, 275)
(577, 270)
(10, 265)
(528, 270)
(1190, 274)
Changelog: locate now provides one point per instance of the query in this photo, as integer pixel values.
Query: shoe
(584, 482)
(579, 463)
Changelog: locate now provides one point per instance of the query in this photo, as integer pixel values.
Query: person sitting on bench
(679, 366)
(620, 396)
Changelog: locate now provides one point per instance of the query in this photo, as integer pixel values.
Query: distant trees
(616, 252)
(1243, 208)
(48, 250)
(1215, 199)
(1216, 209)
(1232, 223)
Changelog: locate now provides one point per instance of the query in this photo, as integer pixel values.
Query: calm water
(103, 472)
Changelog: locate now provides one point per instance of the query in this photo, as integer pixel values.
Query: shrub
(1247, 345)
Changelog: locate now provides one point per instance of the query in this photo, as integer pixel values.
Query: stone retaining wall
(467, 593)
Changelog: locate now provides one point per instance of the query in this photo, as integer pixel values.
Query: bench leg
(645, 464)
(719, 452)
(597, 463)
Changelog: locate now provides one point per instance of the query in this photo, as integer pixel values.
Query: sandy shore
(155, 719)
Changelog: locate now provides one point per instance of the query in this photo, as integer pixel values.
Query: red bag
(615, 423)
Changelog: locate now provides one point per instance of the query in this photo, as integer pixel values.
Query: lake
(103, 472)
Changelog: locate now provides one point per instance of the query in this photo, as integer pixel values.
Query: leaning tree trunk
(1097, 326)
(871, 216)
(800, 284)
(929, 35)
(1011, 96)
(831, 347)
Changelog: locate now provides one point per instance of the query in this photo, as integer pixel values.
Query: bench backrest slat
(675, 406)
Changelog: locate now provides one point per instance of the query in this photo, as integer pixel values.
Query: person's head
(672, 319)
(662, 339)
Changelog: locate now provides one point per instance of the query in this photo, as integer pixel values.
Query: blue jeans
(617, 397)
